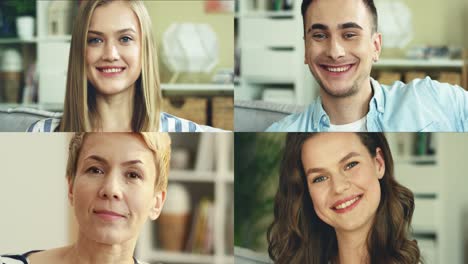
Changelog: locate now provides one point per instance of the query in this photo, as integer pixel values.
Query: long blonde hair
(80, 100)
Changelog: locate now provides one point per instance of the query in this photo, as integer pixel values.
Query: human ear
(377, 42)
(380, 163)
(157, 204)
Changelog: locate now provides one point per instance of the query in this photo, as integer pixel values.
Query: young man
(341, 44)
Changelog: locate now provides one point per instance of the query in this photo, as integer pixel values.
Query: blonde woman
(113, 82)
(116, 181)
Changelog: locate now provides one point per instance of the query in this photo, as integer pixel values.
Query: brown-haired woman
(338, 202)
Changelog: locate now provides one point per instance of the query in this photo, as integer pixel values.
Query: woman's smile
(111, 71)
(346, 205)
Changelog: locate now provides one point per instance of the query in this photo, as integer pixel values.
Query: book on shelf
(273, 5)
(201, 234)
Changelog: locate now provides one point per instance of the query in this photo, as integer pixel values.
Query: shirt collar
(377, 100)
(320, 116)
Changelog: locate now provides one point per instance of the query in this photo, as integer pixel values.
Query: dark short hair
(368, 3)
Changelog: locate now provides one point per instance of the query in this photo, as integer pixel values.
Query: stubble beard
(348, 92)
(339, 94)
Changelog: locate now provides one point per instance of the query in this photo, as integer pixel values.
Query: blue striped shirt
(23, 259)
(168, 123)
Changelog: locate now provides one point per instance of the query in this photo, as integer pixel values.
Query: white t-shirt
(357, 126)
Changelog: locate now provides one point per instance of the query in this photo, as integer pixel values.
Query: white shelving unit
(421, 174)
(430, 67)
(438, 182)
(50, 54)
(272, 54)
(219, 182)
(433, 63)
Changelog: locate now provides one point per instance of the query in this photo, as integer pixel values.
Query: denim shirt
(422, 105)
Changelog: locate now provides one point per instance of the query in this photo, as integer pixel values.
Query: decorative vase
(25, 27)
(174, 221)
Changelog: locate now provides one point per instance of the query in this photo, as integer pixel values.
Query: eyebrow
(345, 158)
(103, 160)
(118, 31)
(340, 26)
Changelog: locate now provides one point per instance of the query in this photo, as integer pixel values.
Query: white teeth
(112, 70)
(338, 69)
(348, 203)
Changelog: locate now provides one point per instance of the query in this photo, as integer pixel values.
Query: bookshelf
(438, 181)
(416, 158)
(48, 52)
(203, 180)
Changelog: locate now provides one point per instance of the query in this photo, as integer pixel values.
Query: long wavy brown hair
(298, 235)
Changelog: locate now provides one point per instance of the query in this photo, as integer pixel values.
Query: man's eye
(94, 40)
(349, 35)
(319, 179)
(95, 170)
(319, 36)
(351, 165)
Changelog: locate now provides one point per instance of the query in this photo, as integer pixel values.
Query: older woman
(113, 81)
(116, 181)
(338, 202)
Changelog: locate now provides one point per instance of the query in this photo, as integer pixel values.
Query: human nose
(335, 49)
(111, 52)
(340, 183)
(111, 187)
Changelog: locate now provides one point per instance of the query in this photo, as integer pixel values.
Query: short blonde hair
(79, 113)
(158, 142)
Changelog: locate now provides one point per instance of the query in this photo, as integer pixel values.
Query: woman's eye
(133, 175)
(351, 165)
(319, 179)
(95, 170)
(126, 39)
(94, 40)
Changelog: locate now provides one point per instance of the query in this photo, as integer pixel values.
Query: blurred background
(419, 39)
(195, 42)
(196, 224)
(433, 166)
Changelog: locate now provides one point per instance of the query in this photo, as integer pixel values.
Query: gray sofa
(249, 116)
(19, 119)
(257, 116)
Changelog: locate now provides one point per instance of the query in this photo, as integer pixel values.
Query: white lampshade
(395, 23)
(189, 47)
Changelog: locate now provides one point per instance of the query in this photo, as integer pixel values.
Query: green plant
(20, 7)
(257, 159)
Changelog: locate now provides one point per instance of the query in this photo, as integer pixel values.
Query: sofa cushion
(257, 116)
(19, 119)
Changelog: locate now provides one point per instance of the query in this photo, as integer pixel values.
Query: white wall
(33, 195)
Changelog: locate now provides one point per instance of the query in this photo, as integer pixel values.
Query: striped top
(168, 123)
(23, 259)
